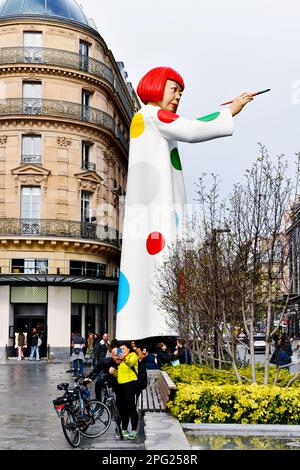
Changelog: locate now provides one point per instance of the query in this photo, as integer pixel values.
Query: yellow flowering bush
(196, 373)
(203, 396)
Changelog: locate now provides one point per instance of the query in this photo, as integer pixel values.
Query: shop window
(29, 266)
(83, 268)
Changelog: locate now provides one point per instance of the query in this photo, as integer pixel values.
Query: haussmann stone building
(65, 112)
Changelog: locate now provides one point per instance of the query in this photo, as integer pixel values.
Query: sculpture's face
(171, 98)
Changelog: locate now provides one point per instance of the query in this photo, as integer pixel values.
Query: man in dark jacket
(34, 346)
(100, 372)
(102, 348)
(182, 353)
(164, 357)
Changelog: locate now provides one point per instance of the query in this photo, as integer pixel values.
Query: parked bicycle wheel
(117, 420)
(95, 420)
(70, 427)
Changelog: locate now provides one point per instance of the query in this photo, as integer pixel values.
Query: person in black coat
(101, 348)
(164, 357)
(100, 373)
(149, 359)
(182, 353)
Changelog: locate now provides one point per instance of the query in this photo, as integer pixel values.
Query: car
(259, 342)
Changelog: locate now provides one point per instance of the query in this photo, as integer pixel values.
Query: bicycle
(109, 399)
(78, 414)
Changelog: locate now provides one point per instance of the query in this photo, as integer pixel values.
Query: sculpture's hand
(239, 102)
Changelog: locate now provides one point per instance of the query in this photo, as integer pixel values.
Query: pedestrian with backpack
(127, 376)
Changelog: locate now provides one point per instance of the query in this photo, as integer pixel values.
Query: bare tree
(230, 273)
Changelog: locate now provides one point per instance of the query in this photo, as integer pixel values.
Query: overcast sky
(221, 48)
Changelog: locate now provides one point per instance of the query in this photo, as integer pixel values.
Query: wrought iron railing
(59, 228)
(43, 55)
(64, 109)
(89, 166)
(36, 159)
(123, 99)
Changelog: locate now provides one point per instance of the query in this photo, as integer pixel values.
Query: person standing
(182, 353)
(35, 345)
(149, 359)
(20, 344)
(102, 348)
(126, 373)
(77, 356)
(164, 356)
(89, 354)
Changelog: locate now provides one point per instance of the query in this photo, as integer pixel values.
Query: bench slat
(158, 392)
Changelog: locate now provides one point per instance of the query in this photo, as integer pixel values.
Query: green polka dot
(209, 117)
(175, 159)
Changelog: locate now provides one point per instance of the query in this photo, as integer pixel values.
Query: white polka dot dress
(154, 212)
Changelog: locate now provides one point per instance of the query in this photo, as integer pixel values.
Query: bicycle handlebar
(76, 371)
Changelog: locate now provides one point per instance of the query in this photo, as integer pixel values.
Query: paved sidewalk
(27, 417)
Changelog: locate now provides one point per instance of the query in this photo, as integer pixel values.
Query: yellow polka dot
(137, 126)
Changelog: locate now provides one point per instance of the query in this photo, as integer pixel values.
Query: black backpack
(142, 377)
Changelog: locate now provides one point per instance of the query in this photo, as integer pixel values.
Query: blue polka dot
(176, 219)
(123, 292)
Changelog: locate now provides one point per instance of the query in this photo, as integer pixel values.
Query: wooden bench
(159, 391)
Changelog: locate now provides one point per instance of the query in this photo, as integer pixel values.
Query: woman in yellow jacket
(126, 374)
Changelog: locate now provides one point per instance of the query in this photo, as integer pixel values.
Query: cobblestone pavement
(27, 418)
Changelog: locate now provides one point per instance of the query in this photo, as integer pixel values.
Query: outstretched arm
(174, 127)
(218, 124)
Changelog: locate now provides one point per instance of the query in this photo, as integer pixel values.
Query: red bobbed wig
(151, 87)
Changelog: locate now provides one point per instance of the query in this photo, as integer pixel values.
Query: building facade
(65, 112)
(293, 239)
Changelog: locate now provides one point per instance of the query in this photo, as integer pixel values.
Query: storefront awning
(42, 279)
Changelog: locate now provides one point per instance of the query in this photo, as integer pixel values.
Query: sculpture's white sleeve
(174, 127)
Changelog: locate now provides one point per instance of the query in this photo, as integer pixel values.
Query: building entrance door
(26, 322)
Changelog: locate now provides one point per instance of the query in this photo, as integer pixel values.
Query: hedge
(194, 373)
(204, 396)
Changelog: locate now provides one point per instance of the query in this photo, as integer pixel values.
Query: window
(86, 102)
(85, 206)
(29, 266)
(31, 149)
(83, 268)
(84, 55)
(30, 202)
(115, 272)
(33, 43)
(30, 210)
(86, 156)
(32, 96)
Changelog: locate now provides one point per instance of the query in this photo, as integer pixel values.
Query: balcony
(61, 109)
(89, 166)
(59, 228)
(43, 55)
(34, 159)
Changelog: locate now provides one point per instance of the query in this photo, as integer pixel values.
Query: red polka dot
(155, 243)
(166, 116)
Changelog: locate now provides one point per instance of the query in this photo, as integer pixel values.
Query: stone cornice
(32, 170)
(31, 175)
(87, 247)
(90, 177)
